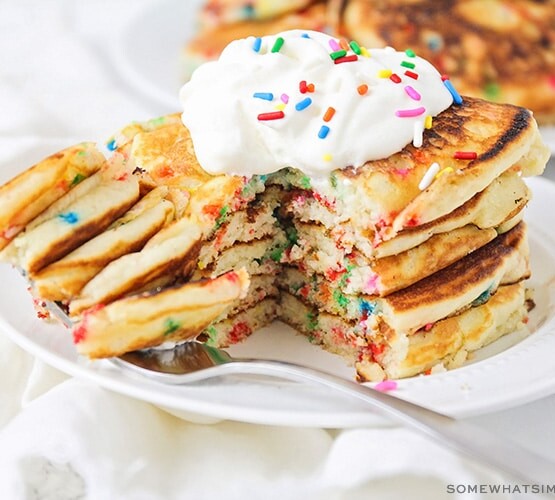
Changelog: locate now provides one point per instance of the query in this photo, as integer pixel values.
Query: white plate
(147, 54)
(512, 371)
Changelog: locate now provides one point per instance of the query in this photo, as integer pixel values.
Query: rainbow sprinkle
(284, 98)
(418, 134)
(410, 53)
(324, 131)
(384, 73)
(328, 115)
(338, 53)
(355, 47)
(386, 386)
(429, 176)
(395, 78)
(70, 218)
(407, 64)
(334, 45)
(278, 44)
(257, 44)
(412, 93)
(266, 96)
(465, 155)
(351, 58)
(408, 113)
(456, 96)
(411, 74)
(446, 170)
(428, 122)
(274, 115)
(305, 103)
(362, 89)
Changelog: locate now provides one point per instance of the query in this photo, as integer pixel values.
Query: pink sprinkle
(371, 286)
(403, 172)
(334, 45)
(413, 94)
(407, 113)
(284, 98)
(386, 385)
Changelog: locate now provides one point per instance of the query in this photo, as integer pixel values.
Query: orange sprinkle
(362, 89)
(328, 115)
(310, 87)
(343, 44)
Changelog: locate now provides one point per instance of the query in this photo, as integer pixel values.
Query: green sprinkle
(355, 47)
(312, 321)
(305, 182)
(276, 254)
(157, 121)
(77, 179)
(278, 44)
(408, 64)
(170, 326)
(212, 334)
(492, 90)
(292, 236)
(341, 300)
(410, 53)
(333, 180)
(221, 218)
(337, 54)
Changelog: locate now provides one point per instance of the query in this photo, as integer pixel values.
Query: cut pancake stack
(395, 268)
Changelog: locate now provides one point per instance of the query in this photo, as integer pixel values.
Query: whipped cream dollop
(307, 100)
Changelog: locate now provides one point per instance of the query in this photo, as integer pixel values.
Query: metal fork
(194, 361)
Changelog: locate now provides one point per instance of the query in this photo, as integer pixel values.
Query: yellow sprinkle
(428, 122)
(201, 265)
(364, 52)
(385, 73)
(327, 157)
(280, 106)
(446, 170)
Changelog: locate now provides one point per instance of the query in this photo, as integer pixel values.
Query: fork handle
(488, 448)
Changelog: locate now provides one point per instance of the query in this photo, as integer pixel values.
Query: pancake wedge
(151, 319)
(31, 192)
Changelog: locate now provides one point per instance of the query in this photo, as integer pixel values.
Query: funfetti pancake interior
(349, 192)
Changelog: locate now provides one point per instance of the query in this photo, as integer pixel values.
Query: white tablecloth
(63, 438)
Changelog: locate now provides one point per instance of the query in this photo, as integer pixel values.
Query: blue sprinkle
(267, 96)
(367, 307)
(111, 145)
(70, 217)
(324, 131)
(257, 44)
(305, 35)
(456, 96)
(248, 11)
(305, 103)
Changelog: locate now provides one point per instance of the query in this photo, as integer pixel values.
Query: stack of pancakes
(388, 265)
(499, 50)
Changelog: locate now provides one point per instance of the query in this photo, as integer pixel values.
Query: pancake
(221, 12)
(86, 217)
(471, 41)
(66, 277)
(449, 342)
(30, 193)
(151, 319)
(208, 43)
